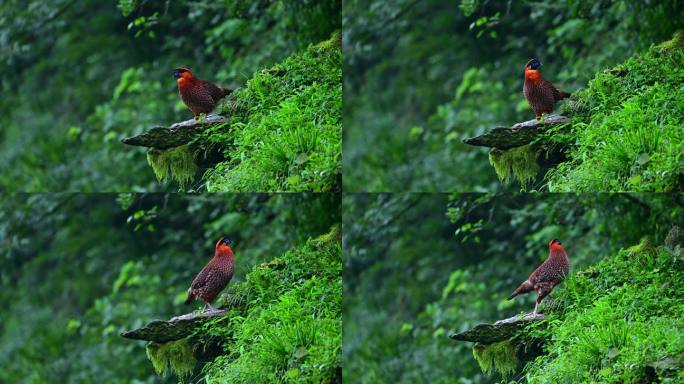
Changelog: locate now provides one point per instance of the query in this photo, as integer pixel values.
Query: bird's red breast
(556, 247)
(223, 250)
(532, 75)
(186, 81)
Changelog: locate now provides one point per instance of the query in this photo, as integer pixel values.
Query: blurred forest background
(418, 267)
(420, 76)
(78, 269)
(81, 75)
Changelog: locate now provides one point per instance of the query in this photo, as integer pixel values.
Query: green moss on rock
(519, 163)
(500, 357)
(175, 356)
(176, 163)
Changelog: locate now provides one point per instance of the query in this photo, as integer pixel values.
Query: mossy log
(518, 135)
(162, 331)
(176, 135)
(501, 330)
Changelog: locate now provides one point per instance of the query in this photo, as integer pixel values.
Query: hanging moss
(501, 357)
(177, 163)
(519, 162)
(177, 356)
(677, 42)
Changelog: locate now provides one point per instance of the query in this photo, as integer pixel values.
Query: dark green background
(78, 269)
(420, 76)
(420, 266)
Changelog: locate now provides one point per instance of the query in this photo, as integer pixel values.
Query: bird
(214, 276)
(199, 96)
(540, 93)
(549, 274)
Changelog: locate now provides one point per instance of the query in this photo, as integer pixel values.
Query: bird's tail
(564, 95)
(226, 91)
(525, 287)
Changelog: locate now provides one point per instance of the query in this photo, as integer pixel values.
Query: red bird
(546, 276)
(540, 94)
(199, 95)
(214, 276)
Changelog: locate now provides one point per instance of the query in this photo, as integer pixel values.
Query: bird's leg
(207, 306)
(535, 308)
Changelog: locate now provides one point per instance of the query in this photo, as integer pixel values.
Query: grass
(285, 127)
(620, 321)
(288, 329)
(626, 132)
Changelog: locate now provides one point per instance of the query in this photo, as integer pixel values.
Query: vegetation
(618, 321)
(287, 132)
(78, 269)
(420, 267)
(289, 330)
(626, 131)
(421, 76)
(86, 74)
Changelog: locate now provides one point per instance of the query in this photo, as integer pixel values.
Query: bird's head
(533, 64)
(223, 245)
(555, 244)
(179, 73)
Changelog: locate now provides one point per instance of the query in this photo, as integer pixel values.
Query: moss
(520, 163)
(677, 42)
(644, 247)
(177, 163)
(500, 357)
(175, 356)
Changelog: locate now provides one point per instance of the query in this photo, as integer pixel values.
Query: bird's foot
(208, 308)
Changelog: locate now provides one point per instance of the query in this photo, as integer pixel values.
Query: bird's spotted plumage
(199, 96)
(214, 276)
(540, 94)
(549, 274)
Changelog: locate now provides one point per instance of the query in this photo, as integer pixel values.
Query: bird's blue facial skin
(535, 64)
(176, 74)
(227, 241)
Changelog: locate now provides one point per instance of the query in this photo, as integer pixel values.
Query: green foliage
(421, 76)
(419, 267)
(177, 163)
(86, 75)
(500, 357)
(519, 162)
(289, 328)
(90, 266)
(176, 356)
(627, 127)
(285, 128)
(619, 321)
